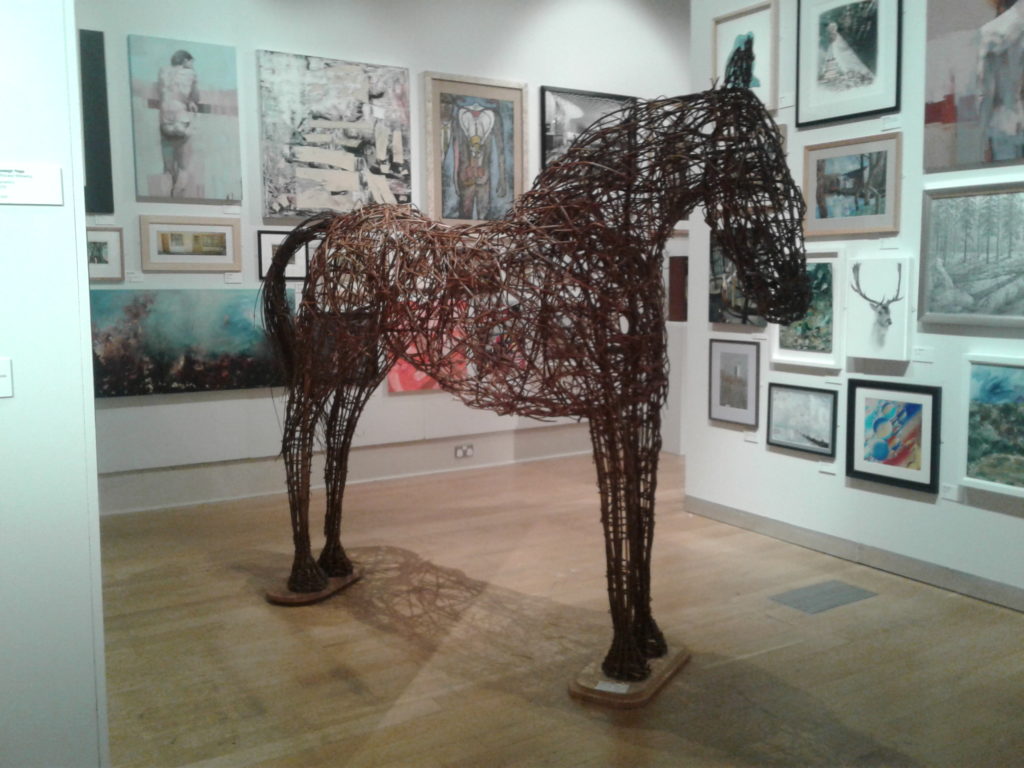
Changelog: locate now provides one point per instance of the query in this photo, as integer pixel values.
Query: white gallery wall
(634, 47)
(962, 538)
(52, 701)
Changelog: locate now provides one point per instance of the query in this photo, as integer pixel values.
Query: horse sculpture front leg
(626, 445)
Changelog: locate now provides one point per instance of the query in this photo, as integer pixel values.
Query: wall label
(30, 184)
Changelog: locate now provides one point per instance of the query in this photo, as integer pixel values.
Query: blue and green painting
(814, 331)
(157, 341)
(995, 432)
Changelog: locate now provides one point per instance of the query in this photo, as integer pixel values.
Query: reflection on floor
(484, 595)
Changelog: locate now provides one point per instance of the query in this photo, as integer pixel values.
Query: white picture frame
(878, 308)
(803, 343)
(995, 390)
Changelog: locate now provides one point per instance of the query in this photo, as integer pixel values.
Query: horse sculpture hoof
(334, 585)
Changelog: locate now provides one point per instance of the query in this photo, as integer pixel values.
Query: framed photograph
(105, 249)
(189, 244)
(971, 67)
(184, 121)
(268, 242)
(892, 433)
(727, 304)
(743, 47)
(565, 114)
(848, 59)
(335, 134)
(852, 187)
(972, 247)
(878, 316)
(802, 418)
(734, 379)
(476, 147)
(995, 425)
(816, 339)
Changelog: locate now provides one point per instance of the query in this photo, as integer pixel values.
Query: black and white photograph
(802, 418)
(566, 113)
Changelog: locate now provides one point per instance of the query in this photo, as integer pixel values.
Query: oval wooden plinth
(593, 685)
(334, 585)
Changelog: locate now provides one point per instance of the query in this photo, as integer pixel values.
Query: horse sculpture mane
(555, 310)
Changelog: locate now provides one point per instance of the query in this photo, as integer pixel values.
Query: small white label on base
(610, 687)
(785, 100)
(826, 469)
(750, 437)
(923, 354)
(134, 277)
(30, 184)
(891, 123)
(232, 277)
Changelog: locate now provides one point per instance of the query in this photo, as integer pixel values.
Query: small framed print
(269, 240)
(972, 255)
(105, 251)
(848, 59)
(852, 187)
(892, 433)
(878, 316)
(566, 113)
(187, 244)
(734, 379)
(476, 147)
(744, 50)
(802, 418)
(816, 339)
(995, 425)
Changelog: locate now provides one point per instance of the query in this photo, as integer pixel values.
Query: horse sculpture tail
(278, 319)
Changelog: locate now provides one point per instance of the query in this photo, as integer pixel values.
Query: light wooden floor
(484, 595)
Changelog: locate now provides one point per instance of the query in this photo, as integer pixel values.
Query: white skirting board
(891, 562)
(219, 481)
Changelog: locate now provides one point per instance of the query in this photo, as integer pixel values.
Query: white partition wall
(52, 702)
(959, 537)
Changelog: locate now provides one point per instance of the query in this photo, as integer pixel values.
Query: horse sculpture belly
(556, 310)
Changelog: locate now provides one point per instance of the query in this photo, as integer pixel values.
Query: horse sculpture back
(555, 310)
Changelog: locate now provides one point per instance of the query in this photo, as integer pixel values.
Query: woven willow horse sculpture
(555, 310)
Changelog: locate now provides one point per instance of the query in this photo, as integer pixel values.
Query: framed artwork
(335, 134)
(189, 244)
(972, 108)
(105, 250)
(727, 304)
(972, 266)
(878, 314)
(744, 50)
(476, 147)
(268, 241)
(892, 433)
(817, 338)
(995, 425)
(99, 183)
(565, 114)
(734, 379)
(802, 418)
(148, 342)
(184, 121)
(852, 187)
(848, 59)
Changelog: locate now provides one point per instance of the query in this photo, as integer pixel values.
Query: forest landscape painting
(974, 256)
(159, 341)
(995, 430)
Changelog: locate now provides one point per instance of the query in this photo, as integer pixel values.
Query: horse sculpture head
(753, 206)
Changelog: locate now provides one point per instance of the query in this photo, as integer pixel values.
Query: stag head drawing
(881, 306)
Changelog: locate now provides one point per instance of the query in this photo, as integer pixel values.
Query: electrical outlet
(464, 451)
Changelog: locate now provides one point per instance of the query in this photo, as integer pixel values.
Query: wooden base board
(593, 685)
(334, 585)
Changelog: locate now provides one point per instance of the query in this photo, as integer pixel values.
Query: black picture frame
(592, 106)
(901, 447)
(817, 430)
(99, 183)
(266, 240)
(837, 88)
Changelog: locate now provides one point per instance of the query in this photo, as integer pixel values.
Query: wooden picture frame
(892, 433)
(267, 241)
(970, 273)
(105, 254)
(994, 421)
(802, 418)
(816, 340)
(734, 381)
(848, 59)
(494, 112)
(852, 187)
(190, 244)
(969, 122)
(755, 28)
(565, 113)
